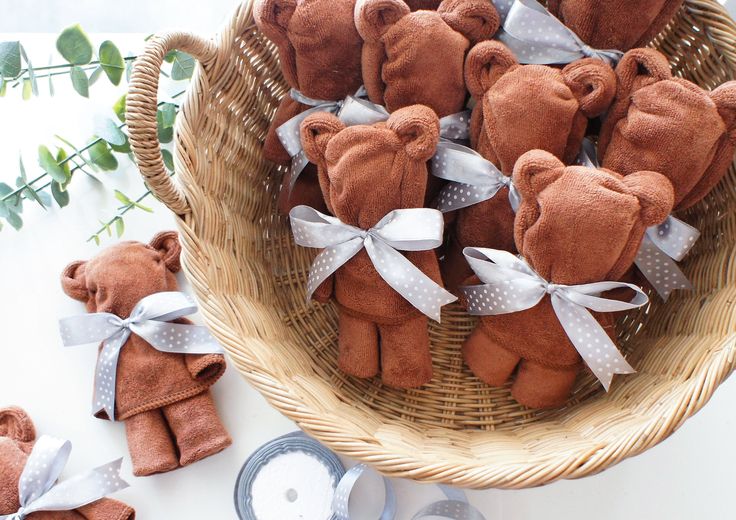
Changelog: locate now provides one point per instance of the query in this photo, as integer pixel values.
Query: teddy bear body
(156, 392)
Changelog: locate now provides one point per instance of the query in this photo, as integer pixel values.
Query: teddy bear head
(669, 125)
(318, 44)
(119, 277)
(622, 25)
(17, 435)
(532, 107)
(417, 57)
(581, 225)
(367, 171)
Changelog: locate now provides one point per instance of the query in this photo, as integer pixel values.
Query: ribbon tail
(345, 487)
(330, 260)
(660, 270)
(106, 375)
(178, 338)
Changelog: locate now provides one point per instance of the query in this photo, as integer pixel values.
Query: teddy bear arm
(324, 292)
(107, 509)
(203, 367)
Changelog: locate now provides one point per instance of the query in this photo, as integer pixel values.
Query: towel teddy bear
(521, 108)
(575, 225)
(669, 125)
(365, 173)
(615, 24)
(17, 438)
(319, 49)
(163, 398)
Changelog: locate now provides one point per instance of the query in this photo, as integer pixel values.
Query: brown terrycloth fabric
(17, 437)
(367, 172)
(576, 225)
(150, 383)
(615, 24)
(320, 51)
(521, 108)
(669, 125)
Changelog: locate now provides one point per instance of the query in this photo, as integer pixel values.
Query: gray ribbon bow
(662, 246)
(473, 178)
(535, 36)
(149, 321)
(415, 229)
(39, 491)
(511, 285)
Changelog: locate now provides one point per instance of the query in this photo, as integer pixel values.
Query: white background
(688, 476)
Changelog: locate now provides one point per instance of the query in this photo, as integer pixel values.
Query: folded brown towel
(163, 398)
(17, 437)
(521, 108)
(669, 125)
(366, 172)
(575, 225)
(319, 49)
(615, 24)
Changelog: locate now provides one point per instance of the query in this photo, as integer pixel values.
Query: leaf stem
(23, 72)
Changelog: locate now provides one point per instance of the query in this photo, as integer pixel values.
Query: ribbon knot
(551, 288)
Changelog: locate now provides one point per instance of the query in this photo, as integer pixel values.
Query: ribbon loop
(511, 285)
(415, 229)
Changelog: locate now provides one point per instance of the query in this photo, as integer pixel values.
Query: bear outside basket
(249, 278)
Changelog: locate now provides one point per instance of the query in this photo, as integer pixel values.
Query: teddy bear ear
(73, 281)
(477, 20)
(374, 17)
(655, 193)
(725, 100)
(16, 424)
(534, 171)
(167, 243)
(418, 127)
(272, 18)
(316, 131)
(639, 68)
(484, 66)
(593, 83)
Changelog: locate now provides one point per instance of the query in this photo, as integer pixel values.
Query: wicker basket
(249, 279)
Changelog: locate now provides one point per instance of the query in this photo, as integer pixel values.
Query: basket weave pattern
(250, 278)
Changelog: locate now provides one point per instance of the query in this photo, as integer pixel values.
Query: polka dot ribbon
(511, 285)
(149, 321)
(473, 179)
(415, 229)
(38, 488)
(537, 37)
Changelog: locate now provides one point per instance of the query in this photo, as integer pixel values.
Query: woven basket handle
(141, 107)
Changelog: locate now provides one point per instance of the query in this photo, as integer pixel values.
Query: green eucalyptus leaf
(31, 72)
(182, 66)
(61, 157)
(27, 89)
(100, 155)
(4, 86)
(165, 134)
(128, 68)
(112, 62)
(61, 196)
(119, 226)
(74, 45)
(15, 221)
(122, 197)
(110, 132)
(96, 238)
(80, 82)
(168, 160)
(31, 194)
(48, 163)
(119, 108)
(95, 76)
(9, 59)
(141, 206)
(22, 170)
(168, 114)
(45, 198)
(123, 148)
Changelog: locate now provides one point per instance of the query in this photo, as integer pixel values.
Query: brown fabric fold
(575, 225)
(149, 381)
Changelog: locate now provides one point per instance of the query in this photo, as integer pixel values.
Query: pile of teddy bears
(663, 144)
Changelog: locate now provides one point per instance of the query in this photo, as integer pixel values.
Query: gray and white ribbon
(473, 178)
(537, 37)
(149, 321)
(511, 285)
(38, 489)
(588, 155)
(415, 229)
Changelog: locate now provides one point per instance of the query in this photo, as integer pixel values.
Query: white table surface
(688, 476)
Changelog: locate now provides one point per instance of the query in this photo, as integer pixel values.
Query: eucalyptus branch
(91, 64)
(117, 220)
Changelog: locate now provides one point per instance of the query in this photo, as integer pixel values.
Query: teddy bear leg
(537, 386)
(358, 346)
(490, 362)
(406, 361)
(455, 269)
(149, 441)
(197, 428)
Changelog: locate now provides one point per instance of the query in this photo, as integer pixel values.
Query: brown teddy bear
(17, 438)
(163, 398)
(669, 125)
(319, 49)
(575, 225)
(521, 108)
(366, 172)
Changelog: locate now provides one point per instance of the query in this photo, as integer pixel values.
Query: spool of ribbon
(511, 285)
(149, 321)
(537, 37)
(662, 246)
(38, 489)
(268, 487)
(473, 179)
(415, 229)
